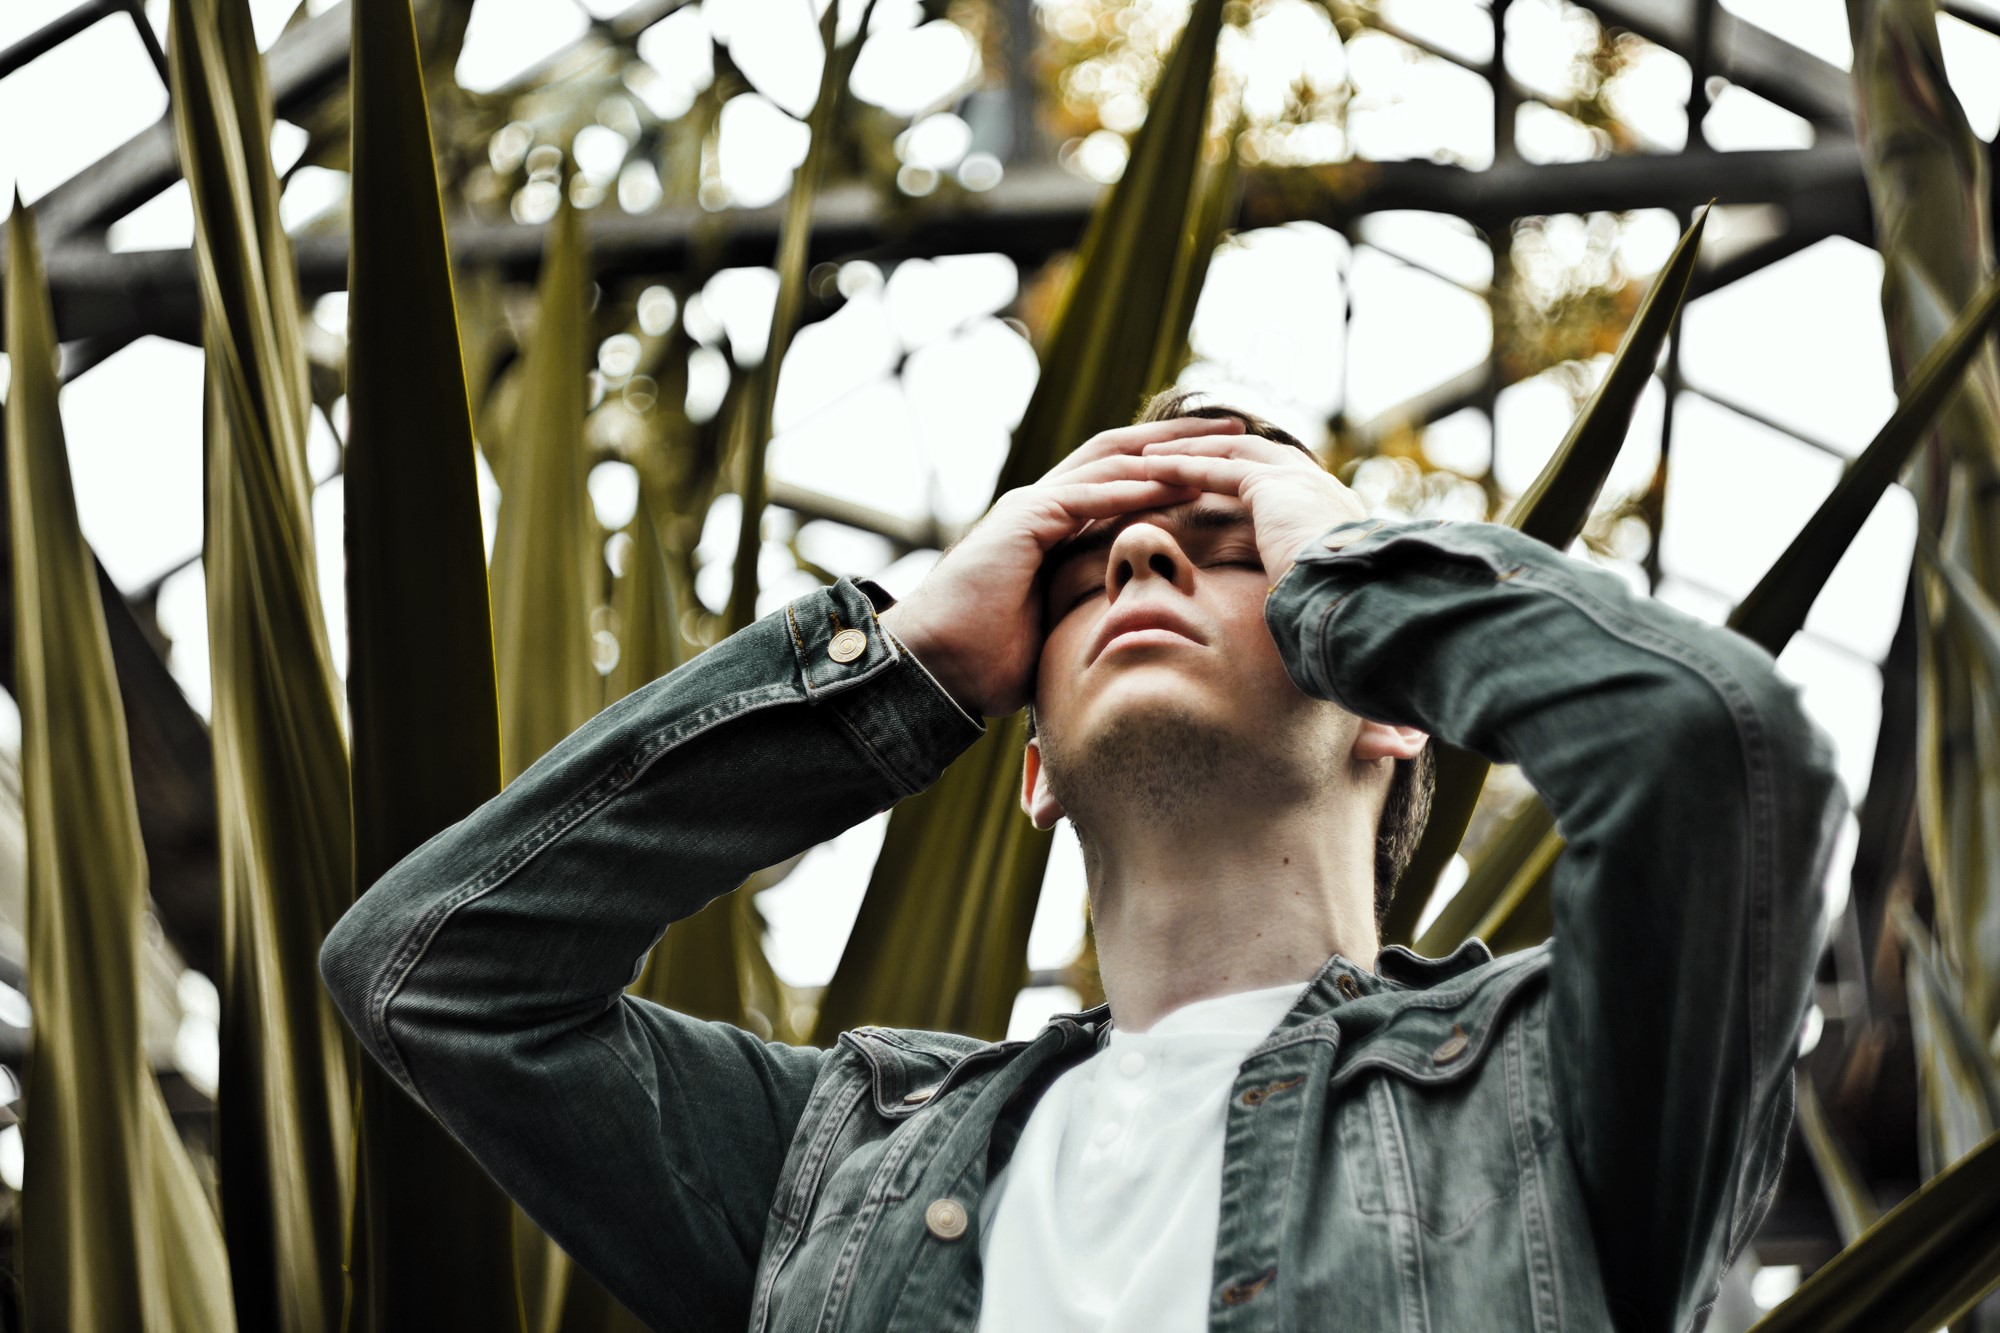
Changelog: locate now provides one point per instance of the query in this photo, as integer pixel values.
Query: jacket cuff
(1349, 555)
(912, 726)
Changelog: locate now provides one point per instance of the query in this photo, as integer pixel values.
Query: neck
(1245, 899)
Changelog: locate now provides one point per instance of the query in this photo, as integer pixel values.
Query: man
(1273, 1124)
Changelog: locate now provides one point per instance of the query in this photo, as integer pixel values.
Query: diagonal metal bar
(54, 33)
(1744, 53)
(302, 66)
(147, 37)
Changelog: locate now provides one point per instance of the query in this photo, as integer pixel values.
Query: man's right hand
(975, 621)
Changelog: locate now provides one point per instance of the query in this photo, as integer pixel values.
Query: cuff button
(847, 645)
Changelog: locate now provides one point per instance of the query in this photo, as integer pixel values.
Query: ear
(1040, 804)
(1379, 740)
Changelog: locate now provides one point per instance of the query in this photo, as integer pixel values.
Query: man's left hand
(1292, 499)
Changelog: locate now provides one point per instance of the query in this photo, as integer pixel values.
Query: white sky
(1294, 323)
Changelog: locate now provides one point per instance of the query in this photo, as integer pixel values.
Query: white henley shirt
(1104, 1219)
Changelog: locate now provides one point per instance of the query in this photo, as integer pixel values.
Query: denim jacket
(1579, 1136)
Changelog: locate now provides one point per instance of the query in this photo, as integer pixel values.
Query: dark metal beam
(1982, 14)
(307, 61)
(1743, 53)
(147, 37)
(54, 33)
(1031, 215)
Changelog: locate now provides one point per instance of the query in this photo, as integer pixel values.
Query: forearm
(533, 913)
(1698, 802)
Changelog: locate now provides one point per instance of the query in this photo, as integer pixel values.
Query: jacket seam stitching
(819, 1151)
(610, 783)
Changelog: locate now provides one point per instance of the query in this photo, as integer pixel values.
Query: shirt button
(847, 645)
(1106, 1135)
(1348, 987)
(945, 1218)
(1132, 1064)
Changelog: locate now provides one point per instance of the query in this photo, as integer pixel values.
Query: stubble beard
(1160, 769)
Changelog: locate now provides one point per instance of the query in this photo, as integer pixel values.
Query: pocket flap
(1441, 1035)
(907, 1068)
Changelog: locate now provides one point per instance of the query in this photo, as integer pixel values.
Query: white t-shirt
(1104, 1219)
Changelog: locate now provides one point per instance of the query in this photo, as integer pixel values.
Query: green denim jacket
(1579, 1136)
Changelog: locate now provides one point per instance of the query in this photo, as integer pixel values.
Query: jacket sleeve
(487, 970)
(1699, 804)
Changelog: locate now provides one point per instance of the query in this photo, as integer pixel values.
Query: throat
(1178, 921)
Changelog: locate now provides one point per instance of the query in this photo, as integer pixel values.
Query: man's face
(1155, 630)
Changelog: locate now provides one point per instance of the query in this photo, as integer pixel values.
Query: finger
(1084, 501)
(1112, 467)
(1220, 476)
(1131, 439)
(1253, 447)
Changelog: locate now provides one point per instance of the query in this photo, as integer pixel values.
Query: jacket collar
(1339, 981)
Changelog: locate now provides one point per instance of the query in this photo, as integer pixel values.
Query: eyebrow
(1179, 521)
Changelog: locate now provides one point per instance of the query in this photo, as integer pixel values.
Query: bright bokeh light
(507, 38)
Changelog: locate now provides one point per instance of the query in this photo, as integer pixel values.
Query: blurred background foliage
(1437, 240)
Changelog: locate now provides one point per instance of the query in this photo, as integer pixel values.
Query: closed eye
(1082, 597)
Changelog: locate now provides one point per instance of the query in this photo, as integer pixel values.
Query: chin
(1147, 691)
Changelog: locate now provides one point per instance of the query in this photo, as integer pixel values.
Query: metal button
(923, 1094)
(1348, 987)
(945, 1218)
(847, 645)
(1451, 1047)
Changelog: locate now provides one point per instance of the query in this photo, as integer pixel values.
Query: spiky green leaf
(544, 555)
(432, 1239)
(115, 1228)
(284, 1110)
(1847, 1193)
(1928, 1261)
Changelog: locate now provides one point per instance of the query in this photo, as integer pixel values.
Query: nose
(1145, 550)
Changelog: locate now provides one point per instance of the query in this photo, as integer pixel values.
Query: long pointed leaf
(1957, 1077)
(1928, 1261)
(1777, 606)
(1554, 508)
(543, 559)
(115, 1230)
(968, 832)
(1847, 1193)
(1558, 502)
(432, 1235)
(1516, 843)
(284, 1111)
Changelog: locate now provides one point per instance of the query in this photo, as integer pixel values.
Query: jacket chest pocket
(1446, 1151)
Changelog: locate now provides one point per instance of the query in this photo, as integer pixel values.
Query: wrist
(930, 655)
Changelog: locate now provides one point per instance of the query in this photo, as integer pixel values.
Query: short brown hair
(1407, 808)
